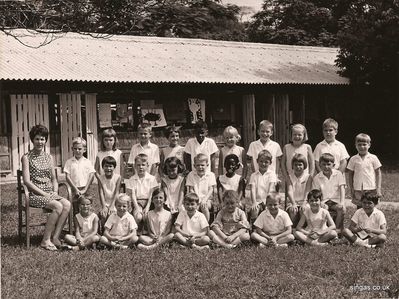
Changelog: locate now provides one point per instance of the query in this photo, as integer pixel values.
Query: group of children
(174, 193)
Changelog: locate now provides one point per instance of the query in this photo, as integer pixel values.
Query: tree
(369, 43)
(297, 22)
(179, 18)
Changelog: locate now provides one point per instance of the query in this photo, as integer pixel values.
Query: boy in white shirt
(191, 225)
(262, 182)
(200, 144)
(364, 170)
(144, 146)
(79, 172)
(331, 182)
(273, 226)
(332, 146)
(140, 187)
(120, 228)
(368, 226)
(264, 142)
(202, 182)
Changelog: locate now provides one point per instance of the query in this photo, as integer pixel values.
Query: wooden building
(79, 84)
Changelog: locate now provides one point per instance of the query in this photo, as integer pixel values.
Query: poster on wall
(104, 115)
(154, 116)
(197, 109)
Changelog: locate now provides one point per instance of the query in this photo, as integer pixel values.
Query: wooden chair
(34, 216)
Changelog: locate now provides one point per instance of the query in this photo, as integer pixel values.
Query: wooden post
(249, 122)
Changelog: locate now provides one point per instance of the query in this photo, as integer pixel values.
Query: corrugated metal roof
(75, 57)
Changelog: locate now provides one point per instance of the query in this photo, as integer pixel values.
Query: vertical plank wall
(91, 126)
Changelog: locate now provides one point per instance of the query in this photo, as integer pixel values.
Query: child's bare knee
(382, 237)
(245, 237)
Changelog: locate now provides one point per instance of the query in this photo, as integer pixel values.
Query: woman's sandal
(49, 247)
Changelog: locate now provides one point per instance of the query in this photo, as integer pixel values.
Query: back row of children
(302, 170)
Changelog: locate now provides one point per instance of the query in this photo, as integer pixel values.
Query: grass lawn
(248, 272)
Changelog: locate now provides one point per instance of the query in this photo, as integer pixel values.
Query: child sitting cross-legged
(191, 225)
(368, 226)
(273, 226)
(86, 227)
(159, 223)
(320, 227)
(120, 228)
(230, 227)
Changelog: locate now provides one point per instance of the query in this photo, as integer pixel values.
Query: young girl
(86, 226)
(320, 227)
(174, 149)
(297, 146)
(232, 137)
(108, 188)
(159, 223)
(230, 227)
(299, 185)
(173, 184)
(109, 143)
(230, 180)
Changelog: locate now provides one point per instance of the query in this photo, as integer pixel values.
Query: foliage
(178, 18)
(369, 42)
(297, 22)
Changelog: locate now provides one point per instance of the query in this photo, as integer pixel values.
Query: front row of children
(273, 227)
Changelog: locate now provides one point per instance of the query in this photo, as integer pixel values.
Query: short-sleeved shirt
(120, 227)
(158, 222)
(374, 221)
(316, 221)
(299, 187)
(274, 226)
(291, 150)
(273, 147)
(151, 150)
(176, 151)
(229, 223)
(263, 183)
(234, 150)
(335, 148)
(330, 187)
(79, 170)
(207, 147)
(142, 187)
(193, 225)
(86, 224)
(364, 171)
(116, 154)
(202, 184)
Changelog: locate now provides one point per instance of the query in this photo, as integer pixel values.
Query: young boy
(332, 146)
(145, 147)
(200, 144)
(273, 226)
(265, 131)
(202, 182)
(79, 172)
(368, 226)
(140, 187)
(108, 188)
(331, 182)
(364, 170)
(191, 226)
(262, 182)
(120, 228)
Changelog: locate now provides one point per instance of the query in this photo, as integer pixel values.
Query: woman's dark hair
(38, 130)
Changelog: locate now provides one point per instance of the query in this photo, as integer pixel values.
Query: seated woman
(39, 177)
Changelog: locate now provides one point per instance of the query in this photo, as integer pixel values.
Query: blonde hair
(265, 123)
(363, 138)
(300, 127)
(79, 140)
(200, 157)
(233, 131)
(329, 122)
(123, 198)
